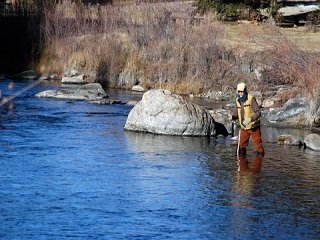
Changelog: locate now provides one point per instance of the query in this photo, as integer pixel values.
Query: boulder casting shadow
(161, 112)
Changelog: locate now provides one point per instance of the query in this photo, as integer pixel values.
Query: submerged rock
(162, 112)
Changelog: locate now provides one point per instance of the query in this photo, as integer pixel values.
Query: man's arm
(256, 109)
(235, 113)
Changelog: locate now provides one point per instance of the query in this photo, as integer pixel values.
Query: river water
(70, 171)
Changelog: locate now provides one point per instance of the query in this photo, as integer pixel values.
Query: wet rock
(132, 103)
(289, 140)
(312, 141)
(106, 101)
(74, 80)
(44, 78)
(137, 88)
(162, 112)
(92, 91)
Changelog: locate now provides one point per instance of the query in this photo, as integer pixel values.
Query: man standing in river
(248, 112)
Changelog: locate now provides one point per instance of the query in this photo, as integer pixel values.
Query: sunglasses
(240, 91)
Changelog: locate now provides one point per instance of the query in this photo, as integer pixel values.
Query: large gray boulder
(162, 112)
(312, 141)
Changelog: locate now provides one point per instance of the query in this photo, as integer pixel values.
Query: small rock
(132, 103)
(73, 80)
(137, 88)
(106, 101)
(289, 140)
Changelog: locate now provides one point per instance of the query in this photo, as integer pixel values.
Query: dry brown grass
(241, 35)
(184, 57)
(165, 51)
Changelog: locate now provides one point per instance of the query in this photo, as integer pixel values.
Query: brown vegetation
(145, 39)
(157, 49)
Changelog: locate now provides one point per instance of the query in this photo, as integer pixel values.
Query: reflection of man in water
(246, 179)
(244, 191)
(254, 167)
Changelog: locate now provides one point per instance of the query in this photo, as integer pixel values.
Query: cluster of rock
(77, 87)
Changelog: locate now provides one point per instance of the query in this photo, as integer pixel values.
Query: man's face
(241, 93)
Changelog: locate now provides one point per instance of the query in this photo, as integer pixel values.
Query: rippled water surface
(69, 171)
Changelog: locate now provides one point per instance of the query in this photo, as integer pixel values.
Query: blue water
(70, 171)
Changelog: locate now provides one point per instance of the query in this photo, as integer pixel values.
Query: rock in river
(162, 112)
(91, 91)
(312, 141)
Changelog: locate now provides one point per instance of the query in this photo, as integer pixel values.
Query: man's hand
(246, 122)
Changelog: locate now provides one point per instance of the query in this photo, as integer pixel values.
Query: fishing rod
(239, 134)
(238, 148)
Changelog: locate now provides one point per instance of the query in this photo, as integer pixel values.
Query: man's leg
(244, 140)
(257, 141)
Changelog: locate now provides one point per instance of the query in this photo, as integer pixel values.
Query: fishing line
(5, 100)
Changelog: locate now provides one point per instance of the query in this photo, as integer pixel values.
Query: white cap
(241, 87)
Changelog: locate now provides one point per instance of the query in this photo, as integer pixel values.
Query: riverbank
(147, 45)
(120, 48)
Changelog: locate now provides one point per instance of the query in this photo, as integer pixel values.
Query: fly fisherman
(248, 112)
